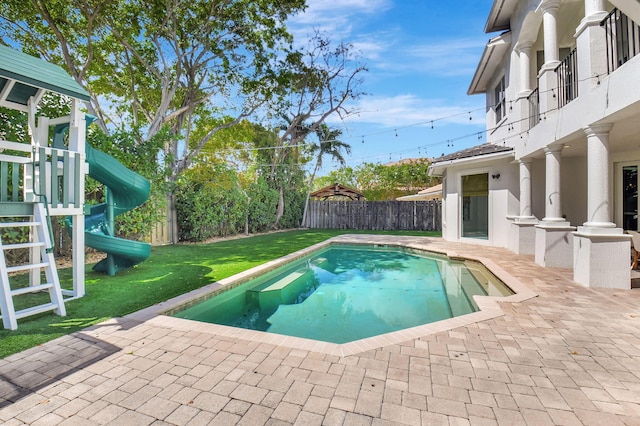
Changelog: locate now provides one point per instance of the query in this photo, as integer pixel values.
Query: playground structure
(43, 177)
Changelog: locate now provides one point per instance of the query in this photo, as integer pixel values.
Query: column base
(554, 244)
(522, 238)
(601, 258)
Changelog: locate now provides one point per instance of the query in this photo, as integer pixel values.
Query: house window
(499, 100)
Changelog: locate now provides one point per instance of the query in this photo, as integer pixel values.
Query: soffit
(491, 59)
(500, 15)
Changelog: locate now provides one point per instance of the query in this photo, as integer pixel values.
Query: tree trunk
(280, 209)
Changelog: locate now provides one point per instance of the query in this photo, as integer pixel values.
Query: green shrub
(209, 208)
(262, 206)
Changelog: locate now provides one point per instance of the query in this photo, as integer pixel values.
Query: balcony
(622, 39)
(567, 73)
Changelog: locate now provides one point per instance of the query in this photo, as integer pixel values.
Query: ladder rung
(31, 289)
(27, 267)
(18, 224)
(36, 310)
(22, 245)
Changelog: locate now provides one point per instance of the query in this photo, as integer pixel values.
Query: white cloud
(408, 110)
(453, 57)
(335, 17)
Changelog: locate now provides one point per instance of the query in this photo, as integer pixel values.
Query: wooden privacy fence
(375, 215)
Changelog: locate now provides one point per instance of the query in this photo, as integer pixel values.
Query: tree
(322, 81)
(192, 68)
(179, 65)
(328, 145)
(155, 63)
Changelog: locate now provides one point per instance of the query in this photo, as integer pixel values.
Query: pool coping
(489, 305)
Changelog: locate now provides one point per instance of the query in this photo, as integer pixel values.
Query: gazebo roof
(22, 76)
(336, 190)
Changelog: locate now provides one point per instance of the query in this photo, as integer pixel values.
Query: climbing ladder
(41, 258)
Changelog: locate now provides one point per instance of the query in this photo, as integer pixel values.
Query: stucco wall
(503, 200)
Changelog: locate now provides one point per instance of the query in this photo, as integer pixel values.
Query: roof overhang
(24, 78)
(499, 18)
(337, 190)
(415, 197)
(437, 169)
(490, 61)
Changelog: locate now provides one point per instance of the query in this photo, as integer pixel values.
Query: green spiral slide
(126, 190)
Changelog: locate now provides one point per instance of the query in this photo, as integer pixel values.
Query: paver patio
(569, 356)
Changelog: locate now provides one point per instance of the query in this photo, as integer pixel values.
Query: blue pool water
(345, 293)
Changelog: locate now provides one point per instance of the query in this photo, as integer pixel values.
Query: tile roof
(474, 151)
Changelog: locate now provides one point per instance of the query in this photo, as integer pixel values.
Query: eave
(437, 169)
(499, 18)
(491, 59)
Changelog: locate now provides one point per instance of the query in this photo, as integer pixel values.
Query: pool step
(281, 292)
(282, 283)
(459, 286)
(489, 282)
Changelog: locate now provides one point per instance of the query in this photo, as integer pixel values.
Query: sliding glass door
(627, 196)
(475, 206)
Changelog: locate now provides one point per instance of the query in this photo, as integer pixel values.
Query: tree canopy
(199, 75)
(194, 66)
(383, 181)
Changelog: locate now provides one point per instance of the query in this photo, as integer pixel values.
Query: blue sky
(421, 56)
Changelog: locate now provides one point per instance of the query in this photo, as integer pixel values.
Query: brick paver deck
(569, 356)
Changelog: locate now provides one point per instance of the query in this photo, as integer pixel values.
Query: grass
(169, 272)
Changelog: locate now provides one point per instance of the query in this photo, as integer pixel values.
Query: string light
(431, 122)
(450, 142)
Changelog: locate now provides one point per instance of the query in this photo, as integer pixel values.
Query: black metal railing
(622, 38)
(534, 108)
(567, 73)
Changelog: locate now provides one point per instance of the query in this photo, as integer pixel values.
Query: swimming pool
(346, 292)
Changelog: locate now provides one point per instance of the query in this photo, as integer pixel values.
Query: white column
(591, 45)
(553, 208)
(593, 7)
(600, 250)
(525, 188)
(522, 233)
(598, 198)
(524, 51)
(554, 245)
(549, 19)
(547, 79)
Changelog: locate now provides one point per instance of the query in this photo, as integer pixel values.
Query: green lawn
(170, 271)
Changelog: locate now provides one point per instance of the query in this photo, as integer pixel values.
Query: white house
(558, 176)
